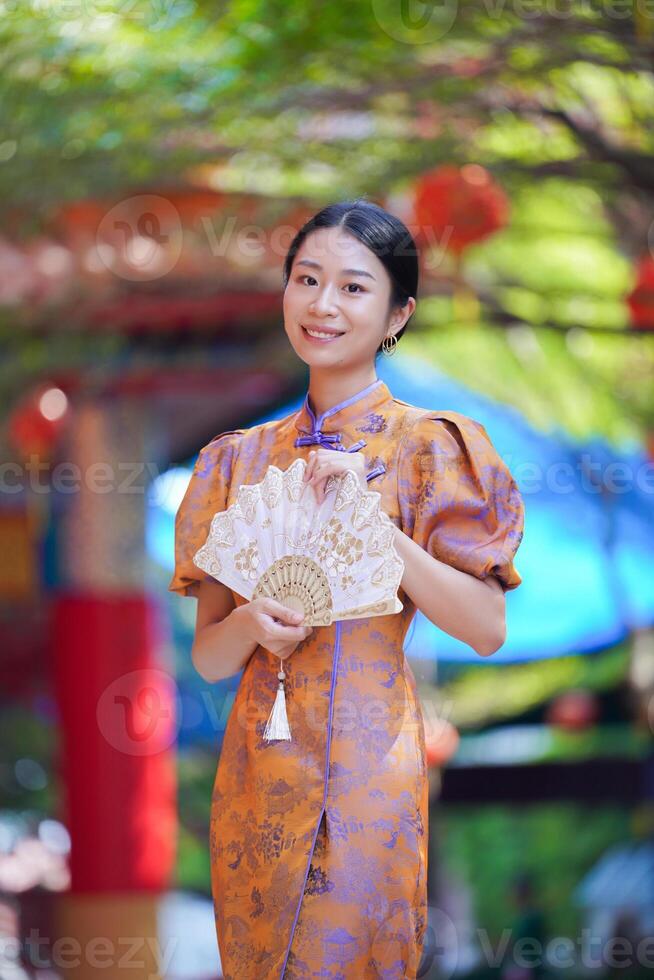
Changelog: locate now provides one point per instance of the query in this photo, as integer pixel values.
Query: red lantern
(441, 742)
(641, 298)
(195, 205)
(455, 207)
(573, 710)
(36, 422)
(79, 220)
(649, 444)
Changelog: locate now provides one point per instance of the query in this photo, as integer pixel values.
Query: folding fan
(333, 560)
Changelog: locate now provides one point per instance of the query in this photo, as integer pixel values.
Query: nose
(324, 303)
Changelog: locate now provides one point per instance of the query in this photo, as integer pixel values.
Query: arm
(219, 627)
(226, 635)
(466, 607)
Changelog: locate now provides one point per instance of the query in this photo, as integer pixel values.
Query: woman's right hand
(274, 626)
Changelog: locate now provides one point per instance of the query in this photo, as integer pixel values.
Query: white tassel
(277, 724)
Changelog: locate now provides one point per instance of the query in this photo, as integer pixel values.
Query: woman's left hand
(323, 463)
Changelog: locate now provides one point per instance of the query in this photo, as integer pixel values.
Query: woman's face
(337, 284)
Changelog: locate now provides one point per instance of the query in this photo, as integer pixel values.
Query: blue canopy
(586, 556)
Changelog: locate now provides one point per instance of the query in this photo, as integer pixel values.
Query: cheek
(292, 301)
(287, 305)
(370, 311)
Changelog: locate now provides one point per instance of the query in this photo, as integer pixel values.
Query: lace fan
(333, 560)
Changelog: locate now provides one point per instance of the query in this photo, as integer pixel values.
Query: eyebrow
(347, 272)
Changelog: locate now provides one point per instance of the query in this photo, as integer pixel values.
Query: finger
(324, 479)
(318, 472)
(290, 634)
(282, 612)
(310, 464)
(318, 481)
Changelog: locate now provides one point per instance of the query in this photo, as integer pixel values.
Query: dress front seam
(337, 651)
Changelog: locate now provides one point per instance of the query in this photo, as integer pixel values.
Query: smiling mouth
(322, 334)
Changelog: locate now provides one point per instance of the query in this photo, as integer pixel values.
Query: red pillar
(116, 700)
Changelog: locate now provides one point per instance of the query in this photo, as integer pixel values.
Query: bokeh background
(156, 159)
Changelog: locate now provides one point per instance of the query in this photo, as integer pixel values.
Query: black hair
(381, 232)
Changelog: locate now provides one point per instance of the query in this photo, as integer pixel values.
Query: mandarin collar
(349, 410)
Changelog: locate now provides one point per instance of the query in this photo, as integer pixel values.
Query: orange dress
(319, 844)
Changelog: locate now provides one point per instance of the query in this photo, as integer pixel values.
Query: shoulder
(456, 449)
(233, 438)
(444, 431)
(220, 450)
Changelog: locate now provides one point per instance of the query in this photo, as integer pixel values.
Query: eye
(306, 276)
(356, 286)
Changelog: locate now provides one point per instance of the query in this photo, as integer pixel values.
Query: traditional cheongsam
(319, 844)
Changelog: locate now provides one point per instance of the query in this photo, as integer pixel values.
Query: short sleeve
(205, 496)
(458, 499)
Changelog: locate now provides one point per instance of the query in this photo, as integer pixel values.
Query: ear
(401, 314)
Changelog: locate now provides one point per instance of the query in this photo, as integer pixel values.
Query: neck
(327, 389)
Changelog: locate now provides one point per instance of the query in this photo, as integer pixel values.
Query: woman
(319, 844)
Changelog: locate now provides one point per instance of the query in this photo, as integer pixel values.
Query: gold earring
(389, 349)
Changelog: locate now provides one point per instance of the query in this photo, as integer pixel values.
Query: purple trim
(322, 438)
(317, 423)
(337, 653)
(332, 439)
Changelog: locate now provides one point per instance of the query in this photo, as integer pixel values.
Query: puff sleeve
(457, 498)
(205, 496)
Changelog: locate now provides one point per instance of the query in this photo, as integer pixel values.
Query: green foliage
(196, 771)
(557, 844)
(566, 356)
(339, 99)
(28, 737)
(488, 693)
(105, 96)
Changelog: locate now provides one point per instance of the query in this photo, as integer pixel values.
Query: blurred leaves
(101, 95)
(556, 844)
(196, 771)
(553, 339)
(338, 99)
(488, 693)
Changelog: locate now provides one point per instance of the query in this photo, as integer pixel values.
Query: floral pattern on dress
(318, 846)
